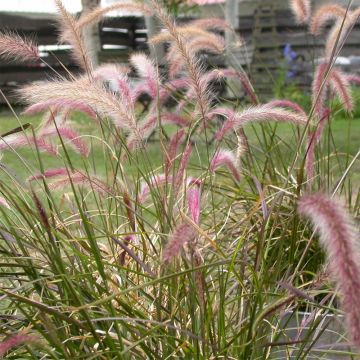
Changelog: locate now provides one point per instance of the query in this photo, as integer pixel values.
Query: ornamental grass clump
(168, 228)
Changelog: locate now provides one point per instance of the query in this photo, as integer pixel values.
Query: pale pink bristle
(225, 158)
(340, 241)
(259, 113)
(287, 104)
(78, 178)
(69, 134)
(301, 10)
(324, 14)
(193, 195)
(173, 147)
(16, 48)
(154, 182)
(319, 88)
(50, 173)
(182, 235)
(14, 341)
(341, 87)
(148, 71)
(72, 105)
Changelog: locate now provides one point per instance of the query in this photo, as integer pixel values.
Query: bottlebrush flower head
(341, 87)
(148, 71)
(79, 178)
(287, 104)
(74, 139)
(55, 104)
(16, 48)
(319, 88)
(182, 235)
(302, 10)
(340, 241)
(175, 141)
(353, 79)
(94, 95)
(149, 124)
(324, 14)
(153, 182)
(95, 15)
(255, 114)
(72, 35)
(50, 173)
(225, 158)
(193, 195)
(14, 341)
(21, 140)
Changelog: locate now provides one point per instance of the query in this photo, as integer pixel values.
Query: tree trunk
(92, 34)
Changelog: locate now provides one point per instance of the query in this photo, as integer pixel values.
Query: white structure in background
(38, 6)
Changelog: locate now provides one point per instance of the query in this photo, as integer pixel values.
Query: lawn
(343, 135)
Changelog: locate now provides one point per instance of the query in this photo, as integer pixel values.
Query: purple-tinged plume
(182, 235)
(225, 158)
(301, 10)
(255, 114)
(340, 241)
(193, 195)
(16, 48)
(14, 341)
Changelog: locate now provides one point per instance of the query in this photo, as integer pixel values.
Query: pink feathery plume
(68, 134)
(259, 113)
(3, 202)
(96, 14)
(353, 79)
(210, 43)
(78, 178)
(324, 14)
(244, 80)
(117, 76)
(287, 104)
(341, 87)
(182, 166)
(154, 181)
(149, 124)
(16, 48)
(216, 24)
(172, 86)
(340, 241)
(225, 158)
(302, 10)
(20, 141)
(148, 71)
(319, 87)
(172, 150)
(218, 74)
(73, 105)
(14, 341)
(48, 174)
(71, 34)
(182, 235)
(103, 101)
(313, 139)
(193, 195)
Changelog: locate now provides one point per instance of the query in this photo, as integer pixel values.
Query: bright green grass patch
(342, 138)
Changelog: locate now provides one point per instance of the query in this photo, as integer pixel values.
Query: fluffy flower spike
(340, 240)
